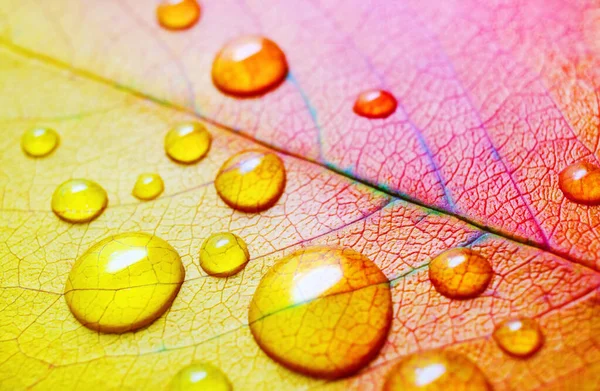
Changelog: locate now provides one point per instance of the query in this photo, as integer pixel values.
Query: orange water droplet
(580, 182)
(223, 254)
(200, 377)
(251, 181)
(519, 337)
(436, 370)
(323, 312)
(178, 14)
(187, 142)
(375, 104)
(249, 66)
(460, 273)
(79, 200)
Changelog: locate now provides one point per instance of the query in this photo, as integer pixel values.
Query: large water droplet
(436, 370)
(323, 312)
(580, 182)
(187, 142)
(249, 66)
(39, 142)
(375, 104)
(178, 14)
(148, 186)
(200, 377)
(251, 181)
(79, 200)
(460, 273)
(124, 282)
(519, 337)
(223, 254)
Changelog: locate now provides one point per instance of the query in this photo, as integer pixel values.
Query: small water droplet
(460, 273)
(323, 312)
(200, 377)
(375, 104)
(251, 181)
(223, 254)
(148, 186)
(124, 282)
(178, 14)
(39, 142)
(436, 370)
(249, 66)
(79, 200)
(580, 182)
(187, 142)
(519, 337)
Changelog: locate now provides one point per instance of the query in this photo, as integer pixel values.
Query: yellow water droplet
(580, 182)
(178, 14)
(249, 66)
(223, 254)
(39, 142)
(323, 312)
(436, 370)
(200, 377)
(519, 337)
(79, 200)
(148, 186)
(460, 273)
(251, 181)
(124, 282)
(187, 142)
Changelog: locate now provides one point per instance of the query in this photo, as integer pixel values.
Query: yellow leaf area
(111, 136)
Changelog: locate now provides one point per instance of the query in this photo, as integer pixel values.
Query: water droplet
(200, 377)
(460, 273)
(249, 66)
(178, 14)
(223, 254)
(79, 200)
(124, 282)
(323, 312)
(436, 370)
(188, 142)
(580, 182)
(519, 337)
(251, 181)
(148, 186)
(375, 104)
(39, 142)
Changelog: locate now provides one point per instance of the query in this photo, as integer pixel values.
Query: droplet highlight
(460, 273)
(375, 104)
(148, 186)
(39, 142)
(79, 200)
(436, 370)
(519, 337)
(200, 377)
(323, 312)
(124, 282)
(251, 181)
(580, 182)
(187, 142)
(223, 254)
(178, 14)
(249, 66)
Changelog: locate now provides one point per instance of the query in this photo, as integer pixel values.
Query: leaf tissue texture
(495, 99)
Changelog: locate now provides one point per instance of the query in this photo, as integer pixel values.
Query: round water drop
(580, 182)
(39, 142)
(200, 377)
(79, 200)
(324, 312)
(124, 282)
(460, 273)
(178, 14)
(519, 337)
(223, 254)
(375, 104)
(436, 370)
(249, 66)
(187, 142)
(251, 181)
(148, 186)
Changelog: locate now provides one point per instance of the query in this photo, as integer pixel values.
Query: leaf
(494, 100)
